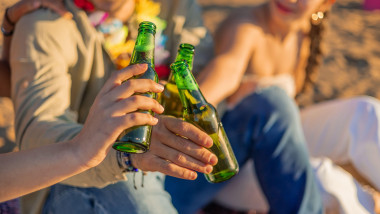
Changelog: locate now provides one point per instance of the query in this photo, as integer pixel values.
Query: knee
(277, 104)
(365, 104)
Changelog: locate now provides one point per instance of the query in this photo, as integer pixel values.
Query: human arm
(113, 111)
(11, 16)
(46, 94)
(234, 45)
(5, 79)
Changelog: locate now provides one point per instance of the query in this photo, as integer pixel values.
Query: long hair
(316, 52)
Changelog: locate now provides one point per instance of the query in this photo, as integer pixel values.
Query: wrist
(84, 157)
(68, 153)
(8, 25)
(125, 162)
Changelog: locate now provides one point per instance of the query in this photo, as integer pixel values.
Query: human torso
(275, 60)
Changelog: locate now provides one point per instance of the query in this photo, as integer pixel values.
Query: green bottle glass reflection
(137, 139)
(202, 114)
(169, 97)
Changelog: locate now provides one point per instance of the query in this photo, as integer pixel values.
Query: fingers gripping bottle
(137, 139)
(203, 115)
(169, 97)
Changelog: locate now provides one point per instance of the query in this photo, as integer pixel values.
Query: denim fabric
(120, 197)
(266, 127)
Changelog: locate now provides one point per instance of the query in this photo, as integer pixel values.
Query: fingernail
(209, 143)
(142, 65)
(213, 160)
(160, 87)
(155, 120)
(209, 169)
(162, 108)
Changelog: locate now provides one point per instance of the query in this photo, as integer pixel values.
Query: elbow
(233, 86)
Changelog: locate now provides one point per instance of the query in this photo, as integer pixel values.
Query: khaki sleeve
(44, 46)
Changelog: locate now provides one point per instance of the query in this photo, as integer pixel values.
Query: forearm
(27, 171)
(6, 48)
(218, 80)
(46, 113)
(5, 77)
(5, 73)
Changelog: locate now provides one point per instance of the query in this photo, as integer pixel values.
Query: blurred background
(351, 65)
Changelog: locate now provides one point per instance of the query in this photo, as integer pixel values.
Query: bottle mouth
(146, 25)
(179, 65)
(187, 47)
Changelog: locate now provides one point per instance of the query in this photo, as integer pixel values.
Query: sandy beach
(351, 64)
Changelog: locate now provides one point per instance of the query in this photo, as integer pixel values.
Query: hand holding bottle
(115, 109)
(174, 155)
(202, 114)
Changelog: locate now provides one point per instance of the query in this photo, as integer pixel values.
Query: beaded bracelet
(7, 19)
(126, 163)
(6, 33)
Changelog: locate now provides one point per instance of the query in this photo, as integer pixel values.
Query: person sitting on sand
(265, 56)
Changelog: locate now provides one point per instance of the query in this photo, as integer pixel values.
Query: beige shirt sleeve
(44, 47)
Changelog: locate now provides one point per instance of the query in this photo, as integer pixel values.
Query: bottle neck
(191, 96)
(144, 48)
(187, 56)
(183, 55)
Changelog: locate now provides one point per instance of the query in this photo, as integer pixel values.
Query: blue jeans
(266, 127)
(116, 198)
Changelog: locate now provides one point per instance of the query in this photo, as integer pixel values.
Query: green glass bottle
(169, 97)
(137, 139)
(202, 114)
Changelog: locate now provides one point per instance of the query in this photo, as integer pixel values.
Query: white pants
(346, 131)
(339, 131)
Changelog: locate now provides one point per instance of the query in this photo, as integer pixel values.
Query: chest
(274, 56)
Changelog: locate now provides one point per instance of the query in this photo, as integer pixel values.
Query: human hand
(114, 110)
(174, 155)
(23, 7)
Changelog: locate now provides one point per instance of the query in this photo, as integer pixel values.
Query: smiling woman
(265, 56)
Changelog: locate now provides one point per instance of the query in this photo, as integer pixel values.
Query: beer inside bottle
(203, 115)
(169, 97)
(137, 139)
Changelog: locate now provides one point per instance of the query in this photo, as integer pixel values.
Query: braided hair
(315, 56)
